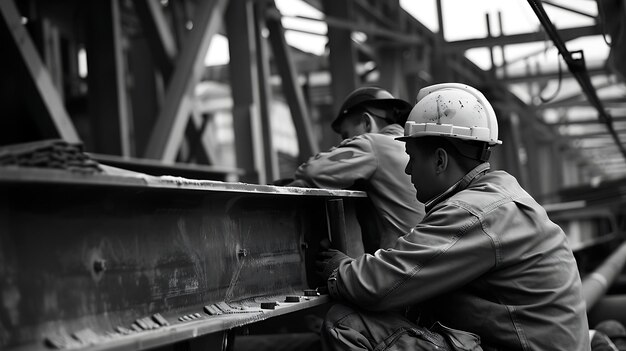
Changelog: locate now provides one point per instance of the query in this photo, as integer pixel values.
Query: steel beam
(577, 96)
(566, 34)
(291, 88)
(546, 76)
(612, 102)
(553, 4)
(594, 135)
(587, 121)
(106, 254)
(48, 109)
(343, 23)
(172, 120)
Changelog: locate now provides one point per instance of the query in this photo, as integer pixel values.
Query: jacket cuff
(332, 284)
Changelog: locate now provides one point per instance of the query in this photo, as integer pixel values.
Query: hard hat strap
(475, 151)
(379, 113)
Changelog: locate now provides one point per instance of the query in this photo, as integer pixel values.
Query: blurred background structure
(245, 89)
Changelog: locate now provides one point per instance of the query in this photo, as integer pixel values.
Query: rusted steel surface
(82, 256)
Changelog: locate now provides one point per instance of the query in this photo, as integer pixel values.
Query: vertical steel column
(392, 71)
(244, 89)
(108, 108)
(550, 169)
(143, 93)
(510, 148)
(44, 100)
(342, 56)
(492, 68)
(502, 47)
(439, 67)
(291, 88)
(533, 164)
(391, 65)
(265, 90)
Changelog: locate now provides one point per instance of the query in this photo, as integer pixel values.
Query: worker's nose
(407, 169)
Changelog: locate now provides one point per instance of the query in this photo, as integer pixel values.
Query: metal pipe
(609, 307)
(597, 283)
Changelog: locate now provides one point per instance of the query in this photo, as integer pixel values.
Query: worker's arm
(446, 251)
(339, 167)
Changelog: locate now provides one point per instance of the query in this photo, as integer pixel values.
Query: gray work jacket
(486, 259)
(375, 163)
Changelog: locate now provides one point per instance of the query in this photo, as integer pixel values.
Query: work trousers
(346, 328)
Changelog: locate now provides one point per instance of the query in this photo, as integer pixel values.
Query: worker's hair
(381, 112)
(465, 153)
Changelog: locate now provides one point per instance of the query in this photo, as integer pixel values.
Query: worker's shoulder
(386, 136)
(358, 139)
(492, 190)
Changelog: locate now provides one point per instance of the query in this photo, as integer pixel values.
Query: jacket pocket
(459, 340)
(415, 339)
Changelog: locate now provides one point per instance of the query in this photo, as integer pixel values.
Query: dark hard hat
(375, 97)
(612, 328)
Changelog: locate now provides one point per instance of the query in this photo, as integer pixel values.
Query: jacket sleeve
(339, 167)
(445, 251)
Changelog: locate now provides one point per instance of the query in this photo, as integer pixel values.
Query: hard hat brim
(403, 107)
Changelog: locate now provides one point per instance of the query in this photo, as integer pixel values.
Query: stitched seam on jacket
(370, 139)
(418, 267)
(511, 310)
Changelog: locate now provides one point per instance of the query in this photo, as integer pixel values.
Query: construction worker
(485, 267)
(369, 159)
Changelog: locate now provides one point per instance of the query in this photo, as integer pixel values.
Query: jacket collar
(458, 186)
(392, 129)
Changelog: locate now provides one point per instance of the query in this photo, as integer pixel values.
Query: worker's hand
(327, 261)
(282, 181)
(299, 183)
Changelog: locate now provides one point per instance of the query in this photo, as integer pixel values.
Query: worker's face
(353, 125)
(422, 171)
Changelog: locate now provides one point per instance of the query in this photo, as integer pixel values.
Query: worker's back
(532, 296)
(373, 162)
(390, 189)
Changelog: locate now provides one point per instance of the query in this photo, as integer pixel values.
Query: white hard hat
(452, 110)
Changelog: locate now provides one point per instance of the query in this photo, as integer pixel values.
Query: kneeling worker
(486, 265)
(369, 159)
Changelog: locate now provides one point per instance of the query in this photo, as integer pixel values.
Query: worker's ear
(441, 160)
(367, 120)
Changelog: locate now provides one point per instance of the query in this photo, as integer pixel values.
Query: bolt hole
(99, 266)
